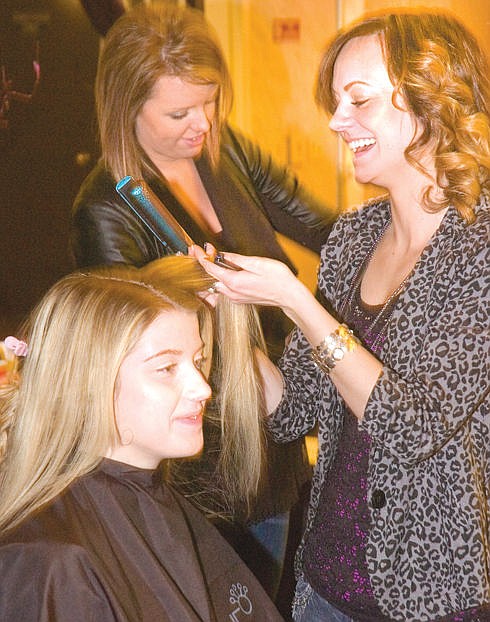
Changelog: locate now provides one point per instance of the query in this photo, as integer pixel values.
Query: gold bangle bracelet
(334, 347)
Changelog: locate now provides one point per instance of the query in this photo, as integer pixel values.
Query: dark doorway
(47, 145)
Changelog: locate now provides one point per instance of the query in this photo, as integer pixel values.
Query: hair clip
(18, 347)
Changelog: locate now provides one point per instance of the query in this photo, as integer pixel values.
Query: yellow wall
(274, 81)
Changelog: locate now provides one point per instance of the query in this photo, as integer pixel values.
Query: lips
(191, 419)
(361, 144)
(196, 141)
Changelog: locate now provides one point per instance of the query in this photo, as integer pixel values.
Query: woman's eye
(178, 115)
(359, 102)
(167, 369)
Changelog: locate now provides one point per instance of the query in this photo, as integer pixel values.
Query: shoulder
(44, 554)
(467, 244)
(41, 551)
(375, 211)
(45, 580)
(353, 234)
(358, 226)
(477, 234)
(104, 230)
(239, 150)
(98, 187)
(232, 138)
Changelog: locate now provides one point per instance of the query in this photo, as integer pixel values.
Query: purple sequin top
(335, 562)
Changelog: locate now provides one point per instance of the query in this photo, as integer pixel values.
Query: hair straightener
(155, 216)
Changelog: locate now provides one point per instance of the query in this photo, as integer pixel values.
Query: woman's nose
(199, 390)
(201, 122)
(339, 120)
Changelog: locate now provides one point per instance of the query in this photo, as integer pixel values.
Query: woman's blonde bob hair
(144, 44)
(442, 75)
(58, 421)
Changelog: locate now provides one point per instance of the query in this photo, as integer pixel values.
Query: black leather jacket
(253, 199)
(251, 195)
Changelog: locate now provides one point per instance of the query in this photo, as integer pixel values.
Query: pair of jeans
(309, 606)
(271, 534)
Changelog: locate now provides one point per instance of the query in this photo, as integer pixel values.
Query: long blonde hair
(442, 74)
(144, 44)
(58, 421)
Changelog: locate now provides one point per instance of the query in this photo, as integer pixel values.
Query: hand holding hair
(261, 280)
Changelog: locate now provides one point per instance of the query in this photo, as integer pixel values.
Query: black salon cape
(118, 545)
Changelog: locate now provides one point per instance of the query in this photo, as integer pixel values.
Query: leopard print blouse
(428, 416)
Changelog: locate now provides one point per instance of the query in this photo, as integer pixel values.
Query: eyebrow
(163, 353)
(348, 86)
(170, 351)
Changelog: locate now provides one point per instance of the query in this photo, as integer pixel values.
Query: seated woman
(113, 383)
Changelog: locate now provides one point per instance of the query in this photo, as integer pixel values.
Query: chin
(196, 152)
(192, 449)
(362, 178)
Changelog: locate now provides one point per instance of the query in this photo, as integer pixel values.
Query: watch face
(338, 354)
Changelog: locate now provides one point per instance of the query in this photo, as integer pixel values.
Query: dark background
(49, 144)
(48, 147)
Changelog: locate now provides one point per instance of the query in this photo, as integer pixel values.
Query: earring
(127, 437)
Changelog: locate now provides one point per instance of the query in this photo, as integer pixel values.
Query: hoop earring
(126, 437)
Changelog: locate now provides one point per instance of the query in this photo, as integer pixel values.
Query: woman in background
(163, 95)
(114, 382)
(397, 376)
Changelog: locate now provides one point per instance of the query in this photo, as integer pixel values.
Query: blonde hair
(442, 75)
(144, 44)
(57, 423)
(239, 403)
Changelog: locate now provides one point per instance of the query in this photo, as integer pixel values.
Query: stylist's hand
(261, 280)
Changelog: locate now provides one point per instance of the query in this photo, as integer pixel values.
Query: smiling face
(376, 131)
(161, 392)
(173, 123)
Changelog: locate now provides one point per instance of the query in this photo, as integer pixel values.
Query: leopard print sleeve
(302, 398)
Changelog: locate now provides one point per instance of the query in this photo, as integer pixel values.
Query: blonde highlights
(239, 402)
(442, 75)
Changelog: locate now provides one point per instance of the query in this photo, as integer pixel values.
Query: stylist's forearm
(301, 306)
(357, 373)
(272, 381)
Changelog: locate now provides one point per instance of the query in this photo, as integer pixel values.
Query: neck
(412, 225)
(174, 169)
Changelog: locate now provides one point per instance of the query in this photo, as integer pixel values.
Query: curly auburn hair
(438, 68)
